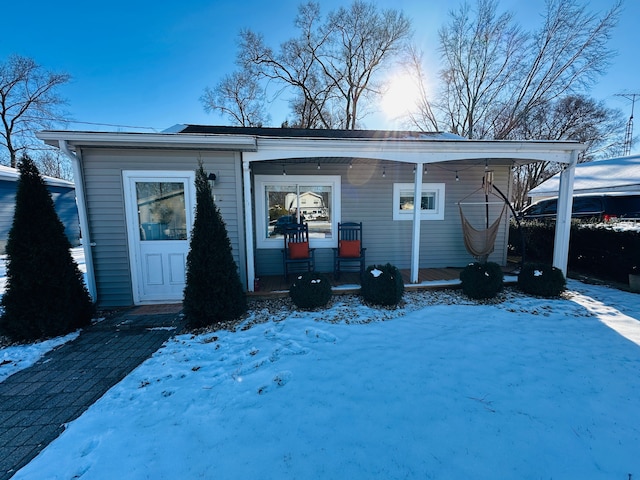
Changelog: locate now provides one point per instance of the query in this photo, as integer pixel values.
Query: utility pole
(628, 136)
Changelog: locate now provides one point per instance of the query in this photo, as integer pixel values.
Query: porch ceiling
(412, 150)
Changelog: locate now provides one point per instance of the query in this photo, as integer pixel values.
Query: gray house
(136, 197)
(64, 199)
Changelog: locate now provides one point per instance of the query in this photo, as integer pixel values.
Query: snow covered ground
(15, 358)
(443, 388)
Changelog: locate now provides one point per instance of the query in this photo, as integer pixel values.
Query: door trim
(129, 177)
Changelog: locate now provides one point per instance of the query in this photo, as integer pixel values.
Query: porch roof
(260, 144)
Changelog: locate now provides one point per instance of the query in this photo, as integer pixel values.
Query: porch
(349, 282)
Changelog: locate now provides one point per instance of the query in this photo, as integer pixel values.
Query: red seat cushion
(349, 248)
(298, 250)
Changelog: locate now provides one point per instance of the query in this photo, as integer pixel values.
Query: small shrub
(541, 279)
(482, 280)
(382, 285)
(310, 290)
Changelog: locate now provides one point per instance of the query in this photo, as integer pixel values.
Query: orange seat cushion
(349, 248)
(298, 250)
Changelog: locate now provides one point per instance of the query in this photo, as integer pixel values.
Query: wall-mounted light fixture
(212, 177)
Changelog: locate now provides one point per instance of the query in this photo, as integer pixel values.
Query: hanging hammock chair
(480, 243)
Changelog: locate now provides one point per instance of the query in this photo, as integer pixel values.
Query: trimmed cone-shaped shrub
(45, 294)
(382, 285)
(541, 279)
(482, 280)
(310, 290)
(213, 291)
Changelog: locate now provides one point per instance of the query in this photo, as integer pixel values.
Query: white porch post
(417, 207)
(563, 215)
(248, 227)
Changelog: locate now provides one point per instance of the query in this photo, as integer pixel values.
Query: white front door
(159, 210)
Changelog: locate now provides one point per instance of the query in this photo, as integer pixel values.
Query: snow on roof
(313, 133)
(12, 175)
(620, 174)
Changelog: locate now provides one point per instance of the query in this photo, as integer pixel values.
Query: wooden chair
(296, 250)
(349, 248)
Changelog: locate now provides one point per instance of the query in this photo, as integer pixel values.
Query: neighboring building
(64, 199)
(614, 175)
(125, 180)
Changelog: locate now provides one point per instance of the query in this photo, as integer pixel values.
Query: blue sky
(144, 63)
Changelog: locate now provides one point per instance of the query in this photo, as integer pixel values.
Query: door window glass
(161, 210)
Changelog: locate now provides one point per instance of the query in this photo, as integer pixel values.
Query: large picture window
(281, 200)
(431, 205)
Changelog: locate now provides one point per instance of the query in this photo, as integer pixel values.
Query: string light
(486, 165)
(424, 171)
(318, 164)
(350, 163)
(384, 172)
(414, 168)
(284, 172)
(457, 177)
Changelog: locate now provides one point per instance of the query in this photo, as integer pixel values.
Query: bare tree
(361, 40)
(483, 54)
(240, 97)
(29, 101)
(330, 67)
(422, 116)
(54, 164)
(574, 117)
(495, 74)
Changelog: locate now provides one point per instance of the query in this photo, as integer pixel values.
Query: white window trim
(435, 214)
(261, 181)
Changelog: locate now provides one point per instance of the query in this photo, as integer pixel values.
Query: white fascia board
(242, 143)
(411, 151)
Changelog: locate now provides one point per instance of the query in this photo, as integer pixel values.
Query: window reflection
(161, 210)
(288, 204)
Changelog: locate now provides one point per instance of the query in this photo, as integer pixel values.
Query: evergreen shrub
(541, 279)
(213, 291)
(482, 280)
(382, 285)
(45, 295)
(310, 290)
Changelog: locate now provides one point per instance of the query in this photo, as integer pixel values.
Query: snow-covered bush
(382, 285)
(541, 279)
(310, 290)
(482, 280)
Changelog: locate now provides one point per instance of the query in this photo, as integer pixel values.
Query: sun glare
(401, 96)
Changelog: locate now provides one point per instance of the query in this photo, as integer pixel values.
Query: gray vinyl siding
(366, 196)
(102, 170)
(64, 201)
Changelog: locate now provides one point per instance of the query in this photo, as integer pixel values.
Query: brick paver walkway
(36, 403)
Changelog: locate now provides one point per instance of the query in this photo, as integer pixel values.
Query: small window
(431, 204)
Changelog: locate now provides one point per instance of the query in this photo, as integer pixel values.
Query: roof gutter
(76, 161)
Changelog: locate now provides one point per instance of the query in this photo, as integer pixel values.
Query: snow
(15, 358)
(18, 357)
(524, 388)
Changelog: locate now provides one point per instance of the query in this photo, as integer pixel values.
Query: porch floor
(349, 282)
